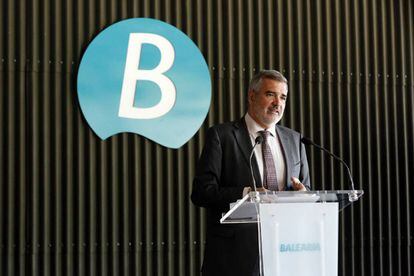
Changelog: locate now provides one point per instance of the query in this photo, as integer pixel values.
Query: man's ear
(250, 96)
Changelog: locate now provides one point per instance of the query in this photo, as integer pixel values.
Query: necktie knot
(265, 134)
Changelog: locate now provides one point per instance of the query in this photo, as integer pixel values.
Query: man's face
(267, 105)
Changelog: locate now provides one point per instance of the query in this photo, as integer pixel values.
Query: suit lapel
(284, 141)
(242, 137)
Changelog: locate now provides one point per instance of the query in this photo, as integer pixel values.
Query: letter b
(132, 74)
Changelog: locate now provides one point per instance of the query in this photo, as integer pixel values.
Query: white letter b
(132, 74)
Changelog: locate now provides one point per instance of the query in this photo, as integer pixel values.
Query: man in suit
(223, 173)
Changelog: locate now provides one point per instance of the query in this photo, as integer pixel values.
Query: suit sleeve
(208, 189)
(304, 170)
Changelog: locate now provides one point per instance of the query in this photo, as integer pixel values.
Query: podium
(297, 231)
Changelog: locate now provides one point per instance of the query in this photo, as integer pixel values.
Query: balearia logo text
(299, 247)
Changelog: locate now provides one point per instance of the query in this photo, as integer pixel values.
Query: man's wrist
(246, 190)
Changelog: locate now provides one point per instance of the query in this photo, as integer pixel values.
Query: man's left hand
(297, 185)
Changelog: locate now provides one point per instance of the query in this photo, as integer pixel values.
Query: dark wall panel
(72, 204)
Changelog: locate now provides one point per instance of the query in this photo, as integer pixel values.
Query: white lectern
(298, 231)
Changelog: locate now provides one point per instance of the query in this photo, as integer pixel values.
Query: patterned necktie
(269, 168)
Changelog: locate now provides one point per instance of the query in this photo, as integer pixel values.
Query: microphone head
(306, 141)
(259, 140)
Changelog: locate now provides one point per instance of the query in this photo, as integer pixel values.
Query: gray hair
(256, 81)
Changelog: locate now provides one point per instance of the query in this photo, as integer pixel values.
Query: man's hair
(256, 81)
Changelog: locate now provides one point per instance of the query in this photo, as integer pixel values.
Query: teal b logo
(147, 77)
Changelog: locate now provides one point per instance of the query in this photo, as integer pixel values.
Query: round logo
(147, 77)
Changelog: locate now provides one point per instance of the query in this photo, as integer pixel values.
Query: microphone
(353, 196)
(257, 141)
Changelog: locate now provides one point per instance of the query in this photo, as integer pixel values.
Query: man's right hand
(262, 190)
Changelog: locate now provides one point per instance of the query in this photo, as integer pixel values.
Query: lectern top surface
(245, 210)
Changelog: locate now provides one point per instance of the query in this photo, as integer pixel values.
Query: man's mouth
(274, 111)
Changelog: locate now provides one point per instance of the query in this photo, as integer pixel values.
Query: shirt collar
(253, 127)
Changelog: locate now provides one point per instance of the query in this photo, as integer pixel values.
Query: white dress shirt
(275, 147)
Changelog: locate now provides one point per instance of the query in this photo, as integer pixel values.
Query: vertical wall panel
(71, 204)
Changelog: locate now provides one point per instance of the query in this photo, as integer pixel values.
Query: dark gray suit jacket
(222, 173)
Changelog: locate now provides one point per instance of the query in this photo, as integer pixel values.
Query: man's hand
(247, 190)
(297, 185)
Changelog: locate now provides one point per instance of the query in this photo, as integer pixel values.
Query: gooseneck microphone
(309, 142)
(257, 141)
(256, 199)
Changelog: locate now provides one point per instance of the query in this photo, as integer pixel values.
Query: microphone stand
(256, 199)
(354, 195)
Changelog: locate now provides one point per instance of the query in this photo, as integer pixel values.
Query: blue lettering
(299, 247)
